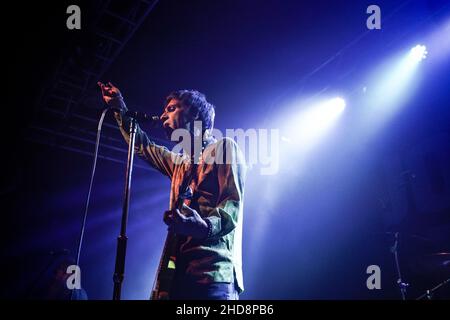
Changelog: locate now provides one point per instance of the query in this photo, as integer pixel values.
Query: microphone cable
(86, 209)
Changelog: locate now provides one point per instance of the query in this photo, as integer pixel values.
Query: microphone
(139, 116)
(142, 116)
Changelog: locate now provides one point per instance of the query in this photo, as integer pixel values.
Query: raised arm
(157, 156)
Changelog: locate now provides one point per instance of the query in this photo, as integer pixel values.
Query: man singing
(209, 225)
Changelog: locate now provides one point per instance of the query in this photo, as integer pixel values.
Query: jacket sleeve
(231, 171)
(159, 157)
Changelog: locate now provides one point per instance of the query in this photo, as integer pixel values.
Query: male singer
(209, 261)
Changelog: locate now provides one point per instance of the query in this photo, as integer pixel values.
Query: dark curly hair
(197, 104)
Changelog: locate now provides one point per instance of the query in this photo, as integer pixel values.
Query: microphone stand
(402, 285)
(122, 239)
(429, 293)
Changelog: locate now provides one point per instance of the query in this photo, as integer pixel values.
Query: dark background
(308, 237)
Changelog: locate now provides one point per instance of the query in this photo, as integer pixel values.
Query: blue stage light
(418, 53)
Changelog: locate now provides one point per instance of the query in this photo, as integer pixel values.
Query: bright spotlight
(313, 122)
(392, 84)
(306, 129)
(337, 105)
(418, 53)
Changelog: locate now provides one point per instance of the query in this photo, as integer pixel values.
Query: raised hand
(109, 92)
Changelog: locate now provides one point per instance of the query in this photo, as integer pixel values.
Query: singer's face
(173, 116)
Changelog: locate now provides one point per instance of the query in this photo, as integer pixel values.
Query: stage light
(308, 127)
(394, 82)
(337, 105)
(418, 53)
(391, 86)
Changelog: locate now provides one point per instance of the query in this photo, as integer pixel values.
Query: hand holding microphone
(113, 98)
(109, 92)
